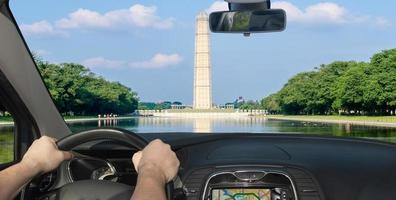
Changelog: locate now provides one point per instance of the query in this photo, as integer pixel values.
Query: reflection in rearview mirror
(272, 20)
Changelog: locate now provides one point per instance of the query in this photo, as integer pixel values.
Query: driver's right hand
(157, 157)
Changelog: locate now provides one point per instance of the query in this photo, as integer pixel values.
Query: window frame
(25, 128)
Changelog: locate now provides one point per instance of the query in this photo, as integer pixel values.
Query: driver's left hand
(44, 156)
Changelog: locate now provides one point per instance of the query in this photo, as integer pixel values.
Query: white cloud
(382, 22)
(40, 28)
(325, 13)
(100, 62)
(219, 5)
(318, 13)
(137, 15)
(158, 61)
(42, 52)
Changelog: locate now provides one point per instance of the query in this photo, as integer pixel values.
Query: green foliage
(351, 88)
(250, 105)
(163, 105)
(156, 106)
(146, 106)
(271, 104)
(74, 88)
(6, 146)
(340, 87)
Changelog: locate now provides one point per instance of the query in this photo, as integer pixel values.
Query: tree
(146, 106)
(351, 87)
(381, 88)
(271, 104)
(295, 95)
(74, 88)
(250, 105)
(326, 81)
(177, 103)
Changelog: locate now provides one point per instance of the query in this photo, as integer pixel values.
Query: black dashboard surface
(343, 168)
(321, 167)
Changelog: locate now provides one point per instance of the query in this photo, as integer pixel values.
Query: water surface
(239, 125)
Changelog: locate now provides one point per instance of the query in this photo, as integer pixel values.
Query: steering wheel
(96, 189)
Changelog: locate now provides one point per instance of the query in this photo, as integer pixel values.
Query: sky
(149, 45)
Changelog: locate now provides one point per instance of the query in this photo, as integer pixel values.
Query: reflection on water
(232, 125)
(202, 125)
(243, 124)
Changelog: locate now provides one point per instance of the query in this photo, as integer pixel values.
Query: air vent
(307, 189)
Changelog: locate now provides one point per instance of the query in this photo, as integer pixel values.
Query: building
(202, 68)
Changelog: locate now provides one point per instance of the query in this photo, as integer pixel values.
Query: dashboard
(251, 167)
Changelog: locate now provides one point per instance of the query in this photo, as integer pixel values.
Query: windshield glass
(154, 66)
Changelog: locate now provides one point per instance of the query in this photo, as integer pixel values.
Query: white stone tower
(202, 68)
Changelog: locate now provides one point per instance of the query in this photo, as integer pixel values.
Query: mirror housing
(248, 21)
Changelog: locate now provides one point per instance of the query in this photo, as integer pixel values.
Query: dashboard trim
(266, 172)
(112, 168)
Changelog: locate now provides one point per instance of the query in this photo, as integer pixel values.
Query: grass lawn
(6, 147)
(6, 119)
(386, 119)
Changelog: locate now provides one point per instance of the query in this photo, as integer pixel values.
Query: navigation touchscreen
(241, 194)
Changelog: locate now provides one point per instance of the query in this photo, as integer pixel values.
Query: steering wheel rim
(69, 142)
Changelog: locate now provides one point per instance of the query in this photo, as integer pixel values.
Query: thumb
(136, 159)
(67, 155)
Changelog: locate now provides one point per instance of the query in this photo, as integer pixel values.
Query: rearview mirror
(251, 21)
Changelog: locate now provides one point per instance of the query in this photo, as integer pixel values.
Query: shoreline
(70, 121)
(76, 120)
(336, 121)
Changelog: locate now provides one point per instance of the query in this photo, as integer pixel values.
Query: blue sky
(149, 45)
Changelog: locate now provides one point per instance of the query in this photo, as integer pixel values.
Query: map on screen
(241, 194)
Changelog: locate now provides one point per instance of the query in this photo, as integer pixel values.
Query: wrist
(153, 173)
(30, 166)
(27, 169)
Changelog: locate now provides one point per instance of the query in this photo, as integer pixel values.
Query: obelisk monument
(202, 68)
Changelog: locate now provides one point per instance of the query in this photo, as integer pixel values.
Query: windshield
(154, 66)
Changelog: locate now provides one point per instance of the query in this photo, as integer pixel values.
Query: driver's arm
(43, 156)
(156, 165)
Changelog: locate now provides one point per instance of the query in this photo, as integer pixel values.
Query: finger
(136, 159)
(157, 141)
(67, 155)
(52, 139)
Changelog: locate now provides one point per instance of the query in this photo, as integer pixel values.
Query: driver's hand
(44, 156)
(157, 157)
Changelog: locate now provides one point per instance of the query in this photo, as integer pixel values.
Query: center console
(249, 185)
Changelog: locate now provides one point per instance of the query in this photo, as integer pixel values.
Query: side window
(6, 136)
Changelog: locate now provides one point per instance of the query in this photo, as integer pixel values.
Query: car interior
(283, 166)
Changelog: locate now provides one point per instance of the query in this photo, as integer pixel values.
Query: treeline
(76, 90)
(248, 105)
(158, 106)
(356, 88)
